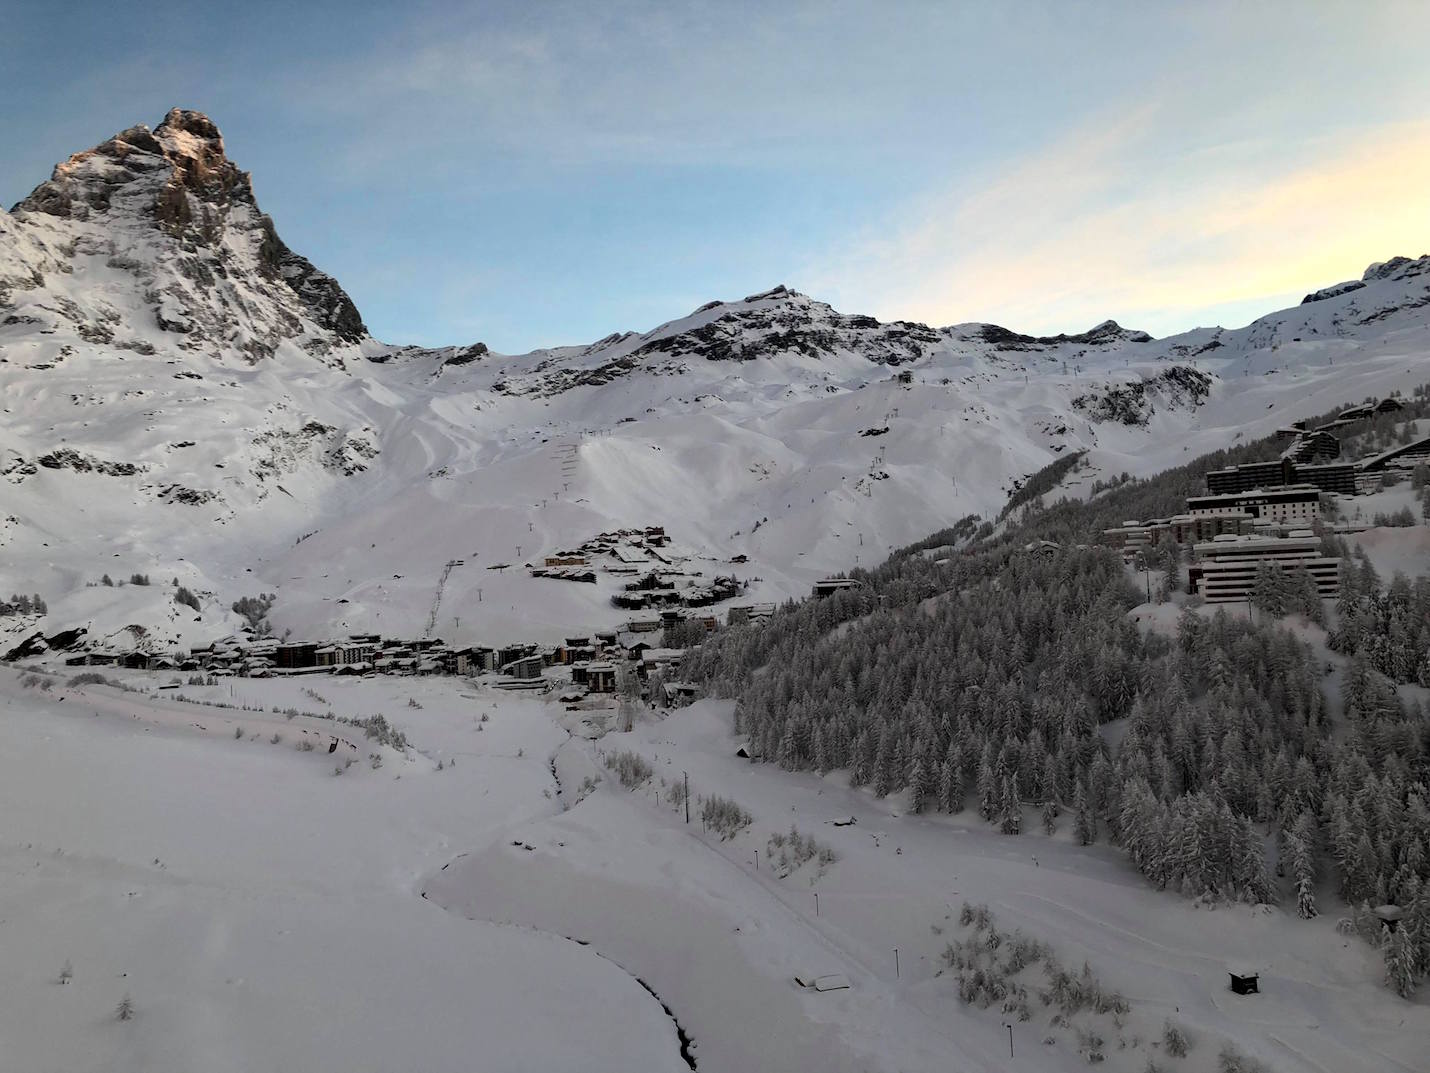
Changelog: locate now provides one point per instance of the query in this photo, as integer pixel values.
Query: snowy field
(500, 912)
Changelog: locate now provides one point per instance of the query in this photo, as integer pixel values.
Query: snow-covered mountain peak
(153, 241)
(177, 176)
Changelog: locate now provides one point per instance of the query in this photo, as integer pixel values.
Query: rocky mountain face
(1397, 269)
(186, 397)
(160, 229)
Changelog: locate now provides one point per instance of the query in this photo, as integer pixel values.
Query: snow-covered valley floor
(264, 913)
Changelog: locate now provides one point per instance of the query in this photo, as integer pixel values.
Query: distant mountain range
(185, 397)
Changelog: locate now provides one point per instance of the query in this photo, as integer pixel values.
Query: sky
(539, 173)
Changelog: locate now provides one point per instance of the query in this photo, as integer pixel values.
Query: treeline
(20, 604)
(1387, 625)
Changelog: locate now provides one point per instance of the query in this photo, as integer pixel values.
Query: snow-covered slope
(187, 398)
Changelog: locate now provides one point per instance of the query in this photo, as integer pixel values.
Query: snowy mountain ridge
(187, 397)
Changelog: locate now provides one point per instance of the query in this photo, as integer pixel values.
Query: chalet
(679, 693)
(255, 666)
(526, 667)
(643, 625)
(633, 646)
(576, 649)
(135, 661)
(326, 656)
(830, 585)
(1390, 916)
(1243, 979)
(580, 574)
(749, 614)
(601, 677)
(567, 560)
(657, 658)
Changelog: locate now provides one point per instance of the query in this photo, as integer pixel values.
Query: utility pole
(687, 795)
(1009, 1026)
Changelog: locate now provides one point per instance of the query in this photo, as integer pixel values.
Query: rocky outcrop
(1398, 268)
(69, 458)
(1134, 403)
(326, 301)
(1108, 332)
(1334, 291)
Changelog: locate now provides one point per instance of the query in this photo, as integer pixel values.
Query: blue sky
(532, 174)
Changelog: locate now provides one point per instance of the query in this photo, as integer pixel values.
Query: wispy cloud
(637, 82)
(1107, 222)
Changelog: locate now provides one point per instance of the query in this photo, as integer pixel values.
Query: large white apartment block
(1225, 568)
(1297, 504)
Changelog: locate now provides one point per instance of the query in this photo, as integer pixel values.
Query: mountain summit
(166, 227)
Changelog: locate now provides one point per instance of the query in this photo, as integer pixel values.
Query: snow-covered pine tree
(1084, 826)
(1400, 959)
(1300, 845)
(987, 785)
(918, 787)
(1010, 809)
